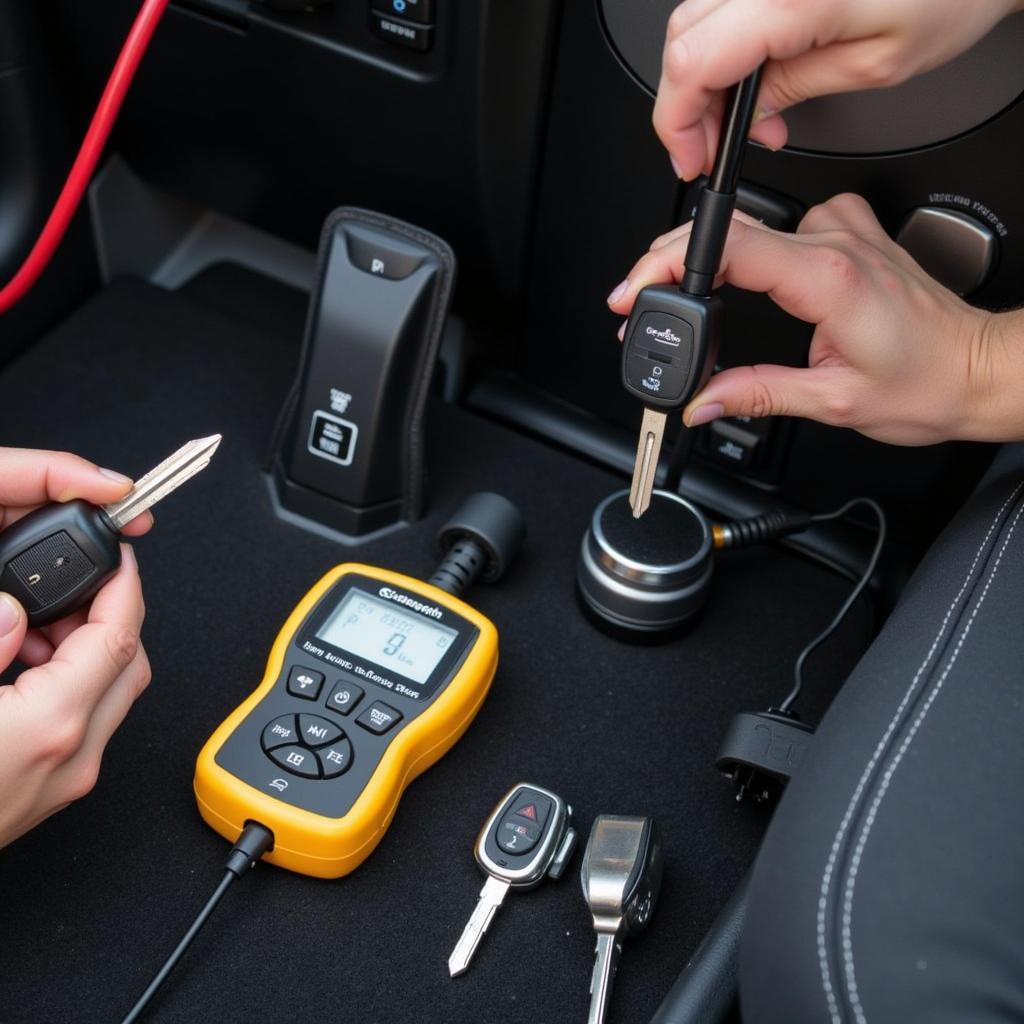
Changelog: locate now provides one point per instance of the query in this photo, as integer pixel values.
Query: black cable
(254, 841)
(858, 589)
(725, 175)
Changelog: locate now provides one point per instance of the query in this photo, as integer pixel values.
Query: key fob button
(305, 682)
(297, 760)
(516, 836)
(653, 377)
(379, 717)
(531, 807)
(279, 732)
(318, 732)
(667, 336)
(344, 697)
(336, 759)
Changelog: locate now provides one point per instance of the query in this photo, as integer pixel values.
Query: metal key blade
(492, 895)
(652, 432)
(605, 962)
(188, 460)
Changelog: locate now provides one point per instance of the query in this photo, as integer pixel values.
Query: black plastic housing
(671, 344)
(350, 452)
(56, 558)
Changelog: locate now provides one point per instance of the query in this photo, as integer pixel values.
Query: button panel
(289, 740)
(305, 682)
(660, 362)
(379, 717)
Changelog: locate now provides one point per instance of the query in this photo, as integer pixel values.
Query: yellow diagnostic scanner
(372, 679)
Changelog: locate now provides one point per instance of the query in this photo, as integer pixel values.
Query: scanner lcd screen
(385, 634)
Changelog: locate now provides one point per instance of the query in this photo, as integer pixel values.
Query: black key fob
(671, 344)
(57, 557)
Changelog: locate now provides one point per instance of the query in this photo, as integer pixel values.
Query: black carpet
(94, 899)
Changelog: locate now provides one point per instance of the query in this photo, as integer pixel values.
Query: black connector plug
(762, 750)
(255, 840)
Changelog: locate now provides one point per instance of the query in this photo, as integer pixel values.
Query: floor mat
(95, 898)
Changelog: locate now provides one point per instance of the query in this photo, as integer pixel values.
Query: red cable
(85, 163)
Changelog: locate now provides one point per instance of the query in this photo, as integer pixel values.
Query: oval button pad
(307, 745)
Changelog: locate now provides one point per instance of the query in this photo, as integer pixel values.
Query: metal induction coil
(646, 576)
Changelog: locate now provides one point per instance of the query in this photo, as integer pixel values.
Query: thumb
(13, 625)
(765, 391)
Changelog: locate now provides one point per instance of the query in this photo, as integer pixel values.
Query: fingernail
(705, 414)
(112, 474)
(622, 330)
(675, 165)
(764, 112)
(620, 290)
(10, 614)
(128, 557)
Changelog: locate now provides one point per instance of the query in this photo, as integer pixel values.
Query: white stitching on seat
(851, 880)
(826, 879)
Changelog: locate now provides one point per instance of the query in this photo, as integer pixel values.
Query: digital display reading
(385, 634)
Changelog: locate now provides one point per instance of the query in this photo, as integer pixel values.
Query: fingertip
(128, 558)
(140, 525)
(11, 614)
(698, 413)
(622, 330)
(772, 132)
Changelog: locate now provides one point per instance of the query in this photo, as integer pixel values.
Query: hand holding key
(621, 877)
(86, 670)
(55, 558)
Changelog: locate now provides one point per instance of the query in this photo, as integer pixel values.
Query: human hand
(894, 355)
(813, 48)
(87, 669)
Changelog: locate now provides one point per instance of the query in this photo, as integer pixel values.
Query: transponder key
(527, 838)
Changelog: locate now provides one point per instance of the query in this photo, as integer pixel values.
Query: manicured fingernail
(112, 474)
(675, 165)
(10, 614)
(705, 414)
(620, 290)
(622, 330)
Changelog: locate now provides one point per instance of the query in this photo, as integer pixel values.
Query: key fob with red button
(670, 347)
(527, 837)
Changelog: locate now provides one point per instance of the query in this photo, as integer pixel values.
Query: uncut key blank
(56, 558)
(526, 839)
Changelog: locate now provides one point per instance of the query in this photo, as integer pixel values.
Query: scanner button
(344, 697)
(317, 732)
(379, 717)
(297, 760)
(280, 731)
(336, 759)
(305, 682)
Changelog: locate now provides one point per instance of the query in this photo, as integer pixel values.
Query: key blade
(652, 431)
(492, 895)
(606, 959)
(188, 460)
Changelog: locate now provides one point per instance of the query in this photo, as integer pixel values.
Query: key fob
(671, 344)
(527, 837)
(55, 559)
